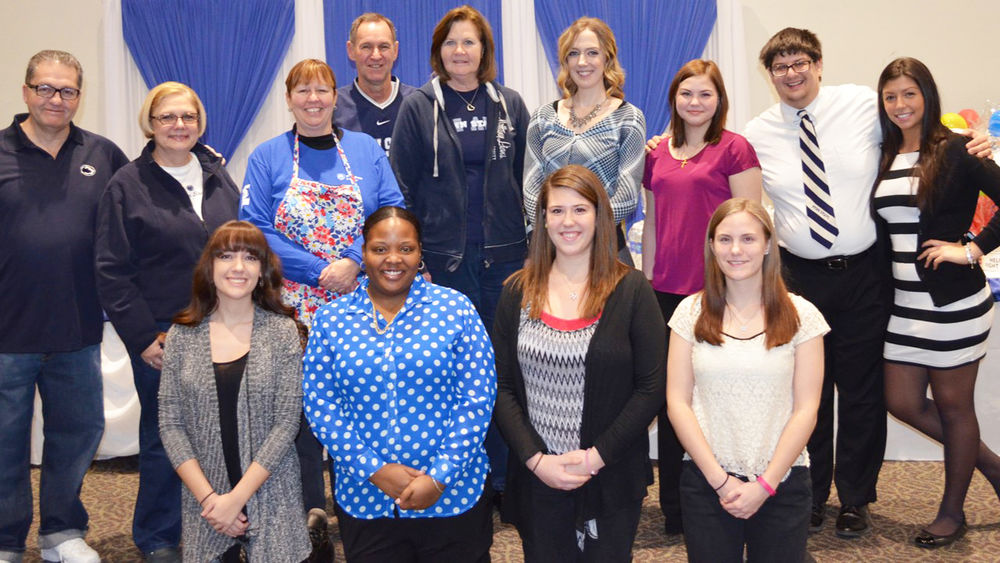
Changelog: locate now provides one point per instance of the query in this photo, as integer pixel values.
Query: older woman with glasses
(153, 221)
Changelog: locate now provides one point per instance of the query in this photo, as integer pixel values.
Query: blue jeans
(482, 282)
(71, 388)
(157, 520)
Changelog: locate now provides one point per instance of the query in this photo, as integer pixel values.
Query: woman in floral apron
(309, 190)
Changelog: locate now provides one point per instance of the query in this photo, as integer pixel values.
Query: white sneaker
(71, 551)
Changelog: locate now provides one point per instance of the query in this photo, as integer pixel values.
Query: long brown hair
(605, 269)
(236, 236)
(781, 320)
(933, 133)
(614, 75)
(698, 67)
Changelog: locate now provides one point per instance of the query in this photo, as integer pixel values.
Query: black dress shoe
(816, 518)
(853, 521)
(931, 541)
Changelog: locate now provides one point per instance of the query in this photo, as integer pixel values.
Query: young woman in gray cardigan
(230, 401)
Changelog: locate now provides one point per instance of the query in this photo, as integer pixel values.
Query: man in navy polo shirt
(52, 174)
(371, 101)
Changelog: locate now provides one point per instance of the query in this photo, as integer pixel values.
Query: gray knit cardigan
(268, 412)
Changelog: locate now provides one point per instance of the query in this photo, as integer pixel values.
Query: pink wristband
(770, 490)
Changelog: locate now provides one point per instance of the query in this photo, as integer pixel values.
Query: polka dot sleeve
(474, 392)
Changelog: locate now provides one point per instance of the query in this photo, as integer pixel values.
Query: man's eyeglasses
(46, 91)
(168, 119)
(798, 66)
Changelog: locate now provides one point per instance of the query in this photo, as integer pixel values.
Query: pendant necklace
(577, 122)
(468, 103)
(742, 324)
(685, 159)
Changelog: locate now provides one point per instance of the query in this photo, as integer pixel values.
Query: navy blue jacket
(427, 159)
(149, 239)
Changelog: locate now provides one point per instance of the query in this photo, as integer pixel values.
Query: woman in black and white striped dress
(926, 193)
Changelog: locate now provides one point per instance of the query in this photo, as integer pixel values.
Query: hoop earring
(422, 267)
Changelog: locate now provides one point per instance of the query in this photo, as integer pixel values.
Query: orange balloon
(971, 116)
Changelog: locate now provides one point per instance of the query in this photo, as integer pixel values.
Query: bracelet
(723, 483)
(537, 463)
(770, 490)
(202, 501)
(968, 256)
(434, 481)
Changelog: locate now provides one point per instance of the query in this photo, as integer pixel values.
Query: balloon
(954, 121)
(994, 127)
(971, 117)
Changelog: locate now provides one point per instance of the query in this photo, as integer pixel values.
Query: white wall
(859, 37)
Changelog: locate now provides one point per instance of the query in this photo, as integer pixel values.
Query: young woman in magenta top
(686, 178)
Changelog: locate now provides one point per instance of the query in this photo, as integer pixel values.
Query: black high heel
(931, 541)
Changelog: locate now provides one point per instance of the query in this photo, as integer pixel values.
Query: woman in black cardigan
(579, 343)
(926, 194)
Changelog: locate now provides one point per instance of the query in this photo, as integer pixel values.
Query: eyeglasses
(797, 66)
(168, 119)
(46, 91)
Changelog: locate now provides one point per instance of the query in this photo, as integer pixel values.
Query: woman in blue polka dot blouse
(399, 386)
(581, 363)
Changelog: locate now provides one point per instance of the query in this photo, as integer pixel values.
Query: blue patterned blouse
(421, 394)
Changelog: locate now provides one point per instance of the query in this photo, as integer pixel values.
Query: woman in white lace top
(744, 376)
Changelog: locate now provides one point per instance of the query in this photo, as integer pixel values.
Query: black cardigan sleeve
(647, 335)
(511, 407)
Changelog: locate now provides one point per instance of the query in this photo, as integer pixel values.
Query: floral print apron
(325, 220)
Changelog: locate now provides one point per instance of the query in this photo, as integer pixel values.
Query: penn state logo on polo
(87, 169)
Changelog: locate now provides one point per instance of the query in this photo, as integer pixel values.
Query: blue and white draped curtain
(228, 52)
(414, 21)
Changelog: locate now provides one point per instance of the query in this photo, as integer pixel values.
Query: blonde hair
(614, 75)
(159, 93)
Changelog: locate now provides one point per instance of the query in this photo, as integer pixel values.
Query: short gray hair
(53, 56)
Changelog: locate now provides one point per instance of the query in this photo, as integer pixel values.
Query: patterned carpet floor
(908, 496)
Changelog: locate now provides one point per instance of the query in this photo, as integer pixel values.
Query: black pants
(548, 529)
(852, 300)
(453, 539)
(670, 453)
(775, 534)
(310, 453)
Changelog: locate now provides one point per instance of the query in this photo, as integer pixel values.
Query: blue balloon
(994, 127)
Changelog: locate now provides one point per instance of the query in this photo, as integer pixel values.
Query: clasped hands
(412, 489)
(224, 514)
(741, 498)
(340, 276)
(566, 471)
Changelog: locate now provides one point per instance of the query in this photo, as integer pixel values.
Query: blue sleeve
(325, 408)
(386, 193)
(475, 387)
(257, 207)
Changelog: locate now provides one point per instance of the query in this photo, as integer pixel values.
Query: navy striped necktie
(819, 205)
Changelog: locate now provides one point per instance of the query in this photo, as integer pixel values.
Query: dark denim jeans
(157, 520)
(71, 389)
(482, 282)
(775, 534)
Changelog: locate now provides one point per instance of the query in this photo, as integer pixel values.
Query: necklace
(740, 322)
(468, 103)
(388, 325)
(577, 122)
(685, 159)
